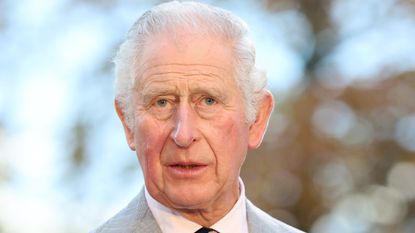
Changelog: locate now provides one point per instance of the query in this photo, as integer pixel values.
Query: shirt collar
(171, 221)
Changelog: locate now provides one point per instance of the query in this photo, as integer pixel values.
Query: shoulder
(136, 215)
(261, 222)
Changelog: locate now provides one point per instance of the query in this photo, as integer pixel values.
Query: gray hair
(168, 17)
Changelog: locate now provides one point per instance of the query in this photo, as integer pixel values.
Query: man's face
(189, 130)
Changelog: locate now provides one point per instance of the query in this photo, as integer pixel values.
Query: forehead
(188, 56)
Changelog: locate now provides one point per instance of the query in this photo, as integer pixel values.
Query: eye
(161, 103)
(162, 107)
(209, 101)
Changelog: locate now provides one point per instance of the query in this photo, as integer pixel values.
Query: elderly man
(192, 104)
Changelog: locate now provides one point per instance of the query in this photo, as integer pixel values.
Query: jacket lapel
(146, 222)
(261, 222)
(255, 222)
(135, 218)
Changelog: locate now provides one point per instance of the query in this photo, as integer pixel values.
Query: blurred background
(339, 154)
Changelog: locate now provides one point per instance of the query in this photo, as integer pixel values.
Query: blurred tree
(326, 144)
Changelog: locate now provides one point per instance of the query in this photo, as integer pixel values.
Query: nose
(185, 130)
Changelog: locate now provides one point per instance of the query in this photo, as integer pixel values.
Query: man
(192, 103)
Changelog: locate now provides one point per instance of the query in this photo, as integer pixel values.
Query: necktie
(206, 230)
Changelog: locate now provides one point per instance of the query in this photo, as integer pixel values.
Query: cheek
(229, 140)
(232, 129)
(150, 137)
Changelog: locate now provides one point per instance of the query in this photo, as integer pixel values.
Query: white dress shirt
(171, 221)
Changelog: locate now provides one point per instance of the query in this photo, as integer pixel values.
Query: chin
(191, 199)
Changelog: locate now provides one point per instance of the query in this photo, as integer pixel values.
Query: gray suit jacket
(137, 218)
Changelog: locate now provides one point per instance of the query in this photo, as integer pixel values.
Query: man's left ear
(258, 127)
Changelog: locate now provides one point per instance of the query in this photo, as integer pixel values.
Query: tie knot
(206, 230)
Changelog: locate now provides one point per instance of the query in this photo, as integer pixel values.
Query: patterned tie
(206, 230)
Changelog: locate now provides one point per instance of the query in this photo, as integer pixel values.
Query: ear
(129, 134)
(258, 127)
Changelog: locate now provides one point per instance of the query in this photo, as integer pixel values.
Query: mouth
(186, 166)
(186, 170)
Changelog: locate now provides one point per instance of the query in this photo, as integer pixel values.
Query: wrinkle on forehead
(161, 73)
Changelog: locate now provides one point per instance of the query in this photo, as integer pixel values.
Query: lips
(186, 169)
(187, 166)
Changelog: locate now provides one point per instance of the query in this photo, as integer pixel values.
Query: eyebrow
(212, 91)
(147, 94)
(150, 93)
